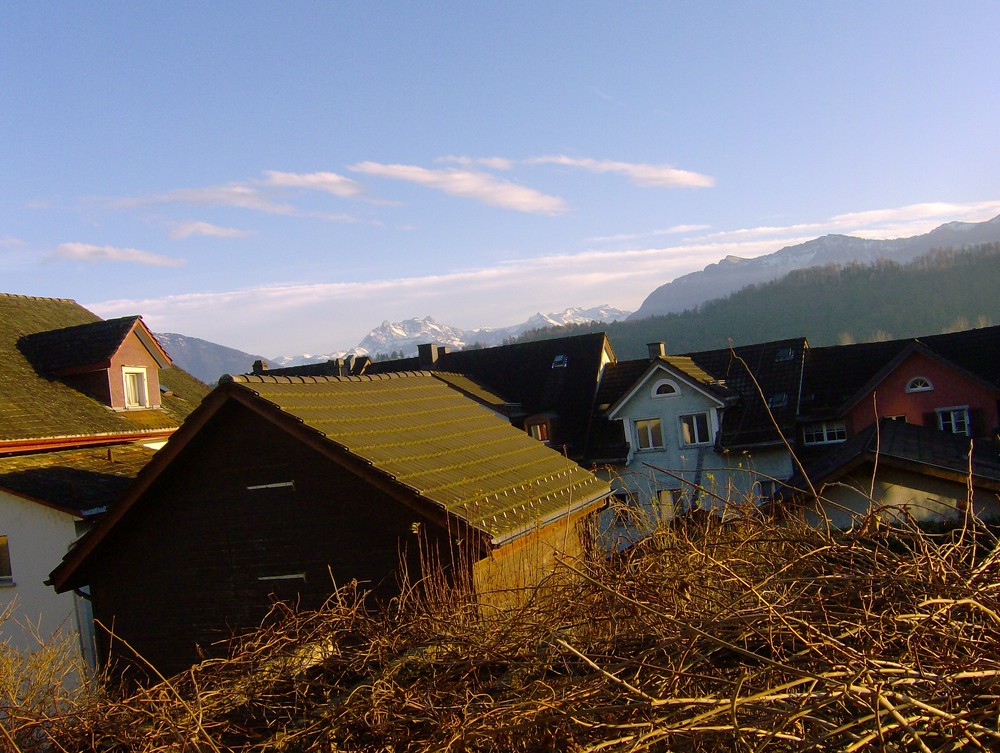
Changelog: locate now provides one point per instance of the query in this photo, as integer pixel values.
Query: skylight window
(560, 361)
(784, 354)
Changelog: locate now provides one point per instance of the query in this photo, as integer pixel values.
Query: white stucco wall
(729, 477)
(37, 537)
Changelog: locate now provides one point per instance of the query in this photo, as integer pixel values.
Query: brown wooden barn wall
(182, 570)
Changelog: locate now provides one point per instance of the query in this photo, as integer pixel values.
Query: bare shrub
(743, 634)
(43, 690)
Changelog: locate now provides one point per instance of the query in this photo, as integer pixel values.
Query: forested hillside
(942, 291)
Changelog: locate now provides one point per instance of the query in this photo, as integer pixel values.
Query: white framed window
(919, 384)
(665, 388)
(136, 394)
(824, 432)
(695, 429)
(954, 420)
(6, 574)
(649, 434)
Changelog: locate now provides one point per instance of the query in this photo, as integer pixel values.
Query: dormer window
(919, 384)
(665, 388)
(539, 432)
(560, 361)
(779, 400)
(136, 392)
(539, 427)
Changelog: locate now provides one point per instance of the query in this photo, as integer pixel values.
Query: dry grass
(748, 636)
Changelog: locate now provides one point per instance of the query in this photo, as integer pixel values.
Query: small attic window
(919, 384)
(784, 354)
(665, 388)
(560, 361)
(780, 400)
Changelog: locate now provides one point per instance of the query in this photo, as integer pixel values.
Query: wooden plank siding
(202, 554)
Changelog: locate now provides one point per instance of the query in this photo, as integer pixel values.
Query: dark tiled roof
(446, 448)
(34, 406)
(836, 373)
(56, 350)
(77, 480)
(902, 444)
(558, 376)
(606, 440)
(767, 377)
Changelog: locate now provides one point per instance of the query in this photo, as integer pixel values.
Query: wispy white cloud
(241, 195)
(188, 229)
(332, 183)
(262, 195)
(641, 174)
(469, 184)
(675, 230)
(495, 163)
(11, 242)
(895, 222)
(90, 253)
(294, 318)
(285, 319)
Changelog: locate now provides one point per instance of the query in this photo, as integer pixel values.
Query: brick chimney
(259, 366)
(428, 354)
(656, 350)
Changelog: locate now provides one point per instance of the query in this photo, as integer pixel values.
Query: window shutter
(976, 424)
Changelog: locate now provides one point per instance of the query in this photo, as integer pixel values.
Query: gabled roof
(757, 374)
(411, 435)
(836, 375)
(37, 410)
(911, 348)
(681, 368)
(911, 447)
(87, 347)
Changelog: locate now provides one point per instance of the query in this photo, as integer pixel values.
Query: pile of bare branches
(746, 635)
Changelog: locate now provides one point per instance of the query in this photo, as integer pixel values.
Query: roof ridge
(36, 297)
(295, 379)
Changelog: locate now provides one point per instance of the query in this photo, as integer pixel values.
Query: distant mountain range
(203, 359)
(209, 361)
(734, 273)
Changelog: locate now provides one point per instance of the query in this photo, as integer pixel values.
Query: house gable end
(940, 384)
(660, 370)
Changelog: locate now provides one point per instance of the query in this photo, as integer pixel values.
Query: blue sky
(281, 177)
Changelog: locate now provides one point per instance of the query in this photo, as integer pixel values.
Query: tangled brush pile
(749, 635)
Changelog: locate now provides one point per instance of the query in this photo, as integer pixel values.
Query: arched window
(665, 388)
(919, 384)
